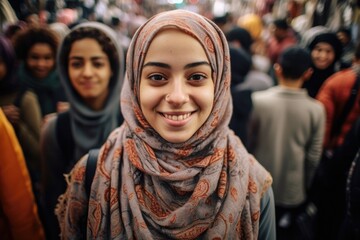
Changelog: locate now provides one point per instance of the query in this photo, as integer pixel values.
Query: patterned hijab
(147, 188)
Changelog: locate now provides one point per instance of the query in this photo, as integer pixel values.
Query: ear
(278, 69)
(307, 74)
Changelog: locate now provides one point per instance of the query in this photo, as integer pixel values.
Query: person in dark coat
(242, 104)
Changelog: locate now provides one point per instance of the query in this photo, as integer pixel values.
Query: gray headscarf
(90, 128)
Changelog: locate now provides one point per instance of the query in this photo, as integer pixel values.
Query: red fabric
(275, 47)
(334, 94)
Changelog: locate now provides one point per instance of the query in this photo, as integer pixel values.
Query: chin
(175, 138)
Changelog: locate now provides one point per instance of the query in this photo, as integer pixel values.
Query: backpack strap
(90, 169)
(89, 176)
(64, 135)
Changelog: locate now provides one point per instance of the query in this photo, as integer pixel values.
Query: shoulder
(49, 124)
(28, 98)
(341, 77)
(259, 175)
(29, 95)
(263, 96)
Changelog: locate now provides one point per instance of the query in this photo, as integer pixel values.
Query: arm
(16, 195)
(267, 228)
(314, 147)
(29, 130)
(326, 96)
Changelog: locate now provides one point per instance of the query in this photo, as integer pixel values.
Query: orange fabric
(18, 211)
(252, 23)
(334, 94)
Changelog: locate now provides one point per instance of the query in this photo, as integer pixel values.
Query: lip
(87, 84)
(177, 119)
(40, 71)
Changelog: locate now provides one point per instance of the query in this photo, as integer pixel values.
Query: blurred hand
(12, 113)
(62, 106)
(47, 117)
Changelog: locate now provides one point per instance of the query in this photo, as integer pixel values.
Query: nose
(88, 70)
(42, 63)
(177, 94)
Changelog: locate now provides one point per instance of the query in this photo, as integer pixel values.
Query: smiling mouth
(177, 117)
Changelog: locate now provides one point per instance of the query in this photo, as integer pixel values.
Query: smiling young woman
(174, 169)
(36, 48)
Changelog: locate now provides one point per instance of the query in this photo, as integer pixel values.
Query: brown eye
(197, 77)
(156, 77)
(75, 64)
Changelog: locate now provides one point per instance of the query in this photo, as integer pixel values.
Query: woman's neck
(96, 104)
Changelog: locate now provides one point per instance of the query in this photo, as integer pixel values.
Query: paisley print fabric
(208, 187)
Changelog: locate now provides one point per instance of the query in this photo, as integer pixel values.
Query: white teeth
(177, 117)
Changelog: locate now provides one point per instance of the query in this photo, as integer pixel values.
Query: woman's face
(40, 60)
(176, 86)
(323, 55)
(89, 70)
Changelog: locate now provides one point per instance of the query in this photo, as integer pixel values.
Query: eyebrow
(93, 58)
(164, 65)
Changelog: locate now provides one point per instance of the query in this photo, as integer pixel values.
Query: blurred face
(89, 71)
(176, 87)
(323, 55)
(40, 60)
(3, 70)
(343, 37)
(278, 33)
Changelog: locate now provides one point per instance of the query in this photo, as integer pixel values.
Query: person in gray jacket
(287, 130)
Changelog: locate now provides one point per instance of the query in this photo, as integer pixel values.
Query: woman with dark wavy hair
(36, 50)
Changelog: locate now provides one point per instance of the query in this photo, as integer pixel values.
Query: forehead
(173, 36)
(175, 47)
(171, 41)
(324, 46)
(40, 48)
(85, 45)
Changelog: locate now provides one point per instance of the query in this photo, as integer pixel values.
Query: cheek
(314, 55)
(51, 63)
(2, 71)
(106, 76)
(148, 98)
(331, 57)
(205, 99)
(29, 62)
(72, 76)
